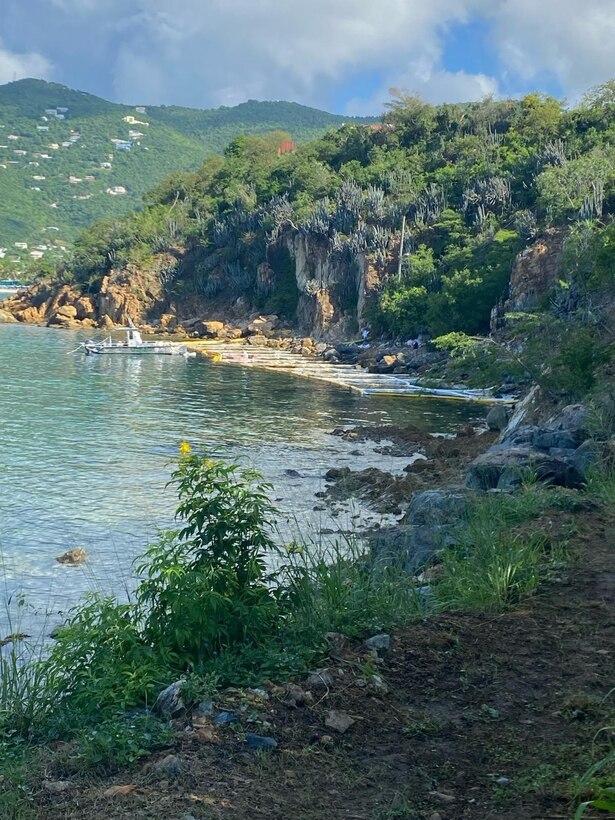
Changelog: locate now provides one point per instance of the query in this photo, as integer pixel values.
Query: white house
(42, 128)
(106, 165)
(51, 111)
(61, 110)
(36, 254)
(117, 190)
(74, 180)
(21, 245)
(140, 109)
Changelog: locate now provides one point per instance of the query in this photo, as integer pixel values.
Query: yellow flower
(294, 548)
(184, 448)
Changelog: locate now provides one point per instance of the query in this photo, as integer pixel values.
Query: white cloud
(225, 53)
(17, 66)
(562, 38)
(220, 52)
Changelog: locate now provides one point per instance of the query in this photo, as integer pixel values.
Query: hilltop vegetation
(476, 184)
(37, 193)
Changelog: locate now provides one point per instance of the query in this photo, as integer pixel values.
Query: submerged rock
(73, 557)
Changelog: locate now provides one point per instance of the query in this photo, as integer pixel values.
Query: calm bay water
(86, 445)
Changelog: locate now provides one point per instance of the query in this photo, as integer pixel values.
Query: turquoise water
(86, 445)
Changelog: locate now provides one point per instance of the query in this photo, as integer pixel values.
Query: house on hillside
(117, 190)
(106, 165)
(60, 117)
(61, 110)
(13, 137)
(23, 246)
(133, 120)
(140, 109)
(123, 145)
(51, 112)
(135, 134)
(37, 254)
(42, 128)
(3, 252)
(74, 180)
(20, 153)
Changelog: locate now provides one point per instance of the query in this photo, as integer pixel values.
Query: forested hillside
(475, 183)
(68, 158)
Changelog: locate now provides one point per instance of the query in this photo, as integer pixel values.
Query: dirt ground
(485, 717)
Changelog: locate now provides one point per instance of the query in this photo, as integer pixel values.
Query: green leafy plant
(206, 586)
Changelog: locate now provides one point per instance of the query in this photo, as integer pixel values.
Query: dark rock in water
(73, 557)
(259, 742)
(169, 702)
(293, 473)
(335, 473)
(497, 418)
(436, 507)
(409, 547)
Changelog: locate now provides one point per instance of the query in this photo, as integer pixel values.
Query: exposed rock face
(556, 452)
(333, 292)
(534, 275)
(123, 295)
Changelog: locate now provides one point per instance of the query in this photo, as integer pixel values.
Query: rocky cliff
(535, 273)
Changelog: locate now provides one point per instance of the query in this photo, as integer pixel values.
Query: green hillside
(60, 172)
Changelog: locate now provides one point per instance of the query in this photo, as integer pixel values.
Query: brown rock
(73, 557)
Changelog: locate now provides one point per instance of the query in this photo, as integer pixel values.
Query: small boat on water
(133, 345)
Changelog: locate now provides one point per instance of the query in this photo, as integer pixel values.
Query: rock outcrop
(535, 273)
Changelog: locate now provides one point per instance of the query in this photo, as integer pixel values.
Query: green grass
(494, 567)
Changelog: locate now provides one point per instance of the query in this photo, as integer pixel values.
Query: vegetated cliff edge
(305, 283)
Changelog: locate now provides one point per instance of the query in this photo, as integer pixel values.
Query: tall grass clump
(599, 778)
(492, 566)
(337, 588)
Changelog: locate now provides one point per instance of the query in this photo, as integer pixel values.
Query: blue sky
(342, 55)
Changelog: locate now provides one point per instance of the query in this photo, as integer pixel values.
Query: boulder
(169, 702)
(6, 317)
(587, 455)
(497, 418)
(409, 547)
(85, 307)
(64, 316)
(210, 330)
(542, 438)
(507, 464)
(168, 322)
(261, 325)
(437, 507)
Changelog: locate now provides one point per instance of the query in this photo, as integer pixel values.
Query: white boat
(133, 345)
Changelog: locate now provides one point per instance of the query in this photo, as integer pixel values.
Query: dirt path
(485, 717)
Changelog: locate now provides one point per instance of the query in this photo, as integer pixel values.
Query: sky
(339, 55)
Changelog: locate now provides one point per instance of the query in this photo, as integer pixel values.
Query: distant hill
(68, 158)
